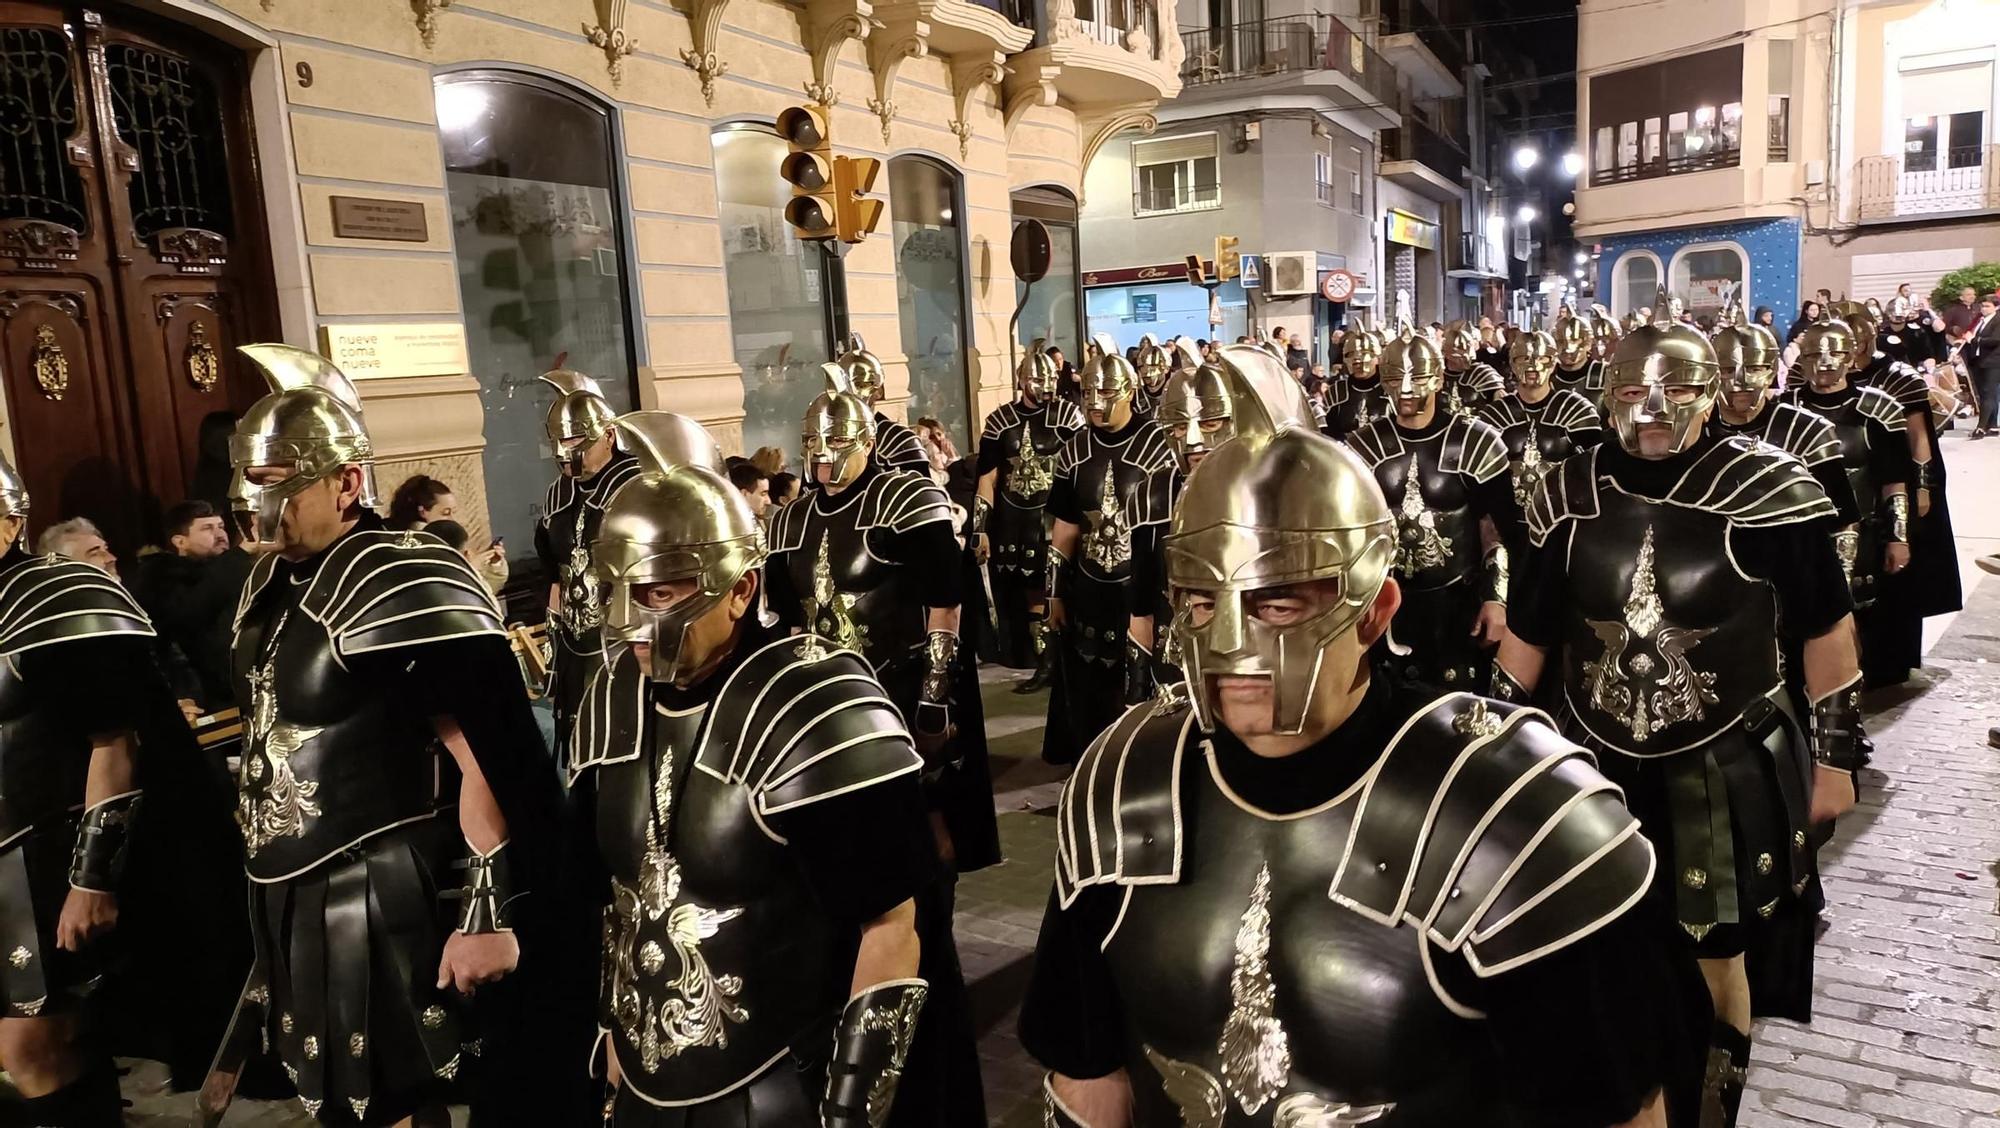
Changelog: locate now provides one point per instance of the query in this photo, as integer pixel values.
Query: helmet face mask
(1109, 382)
(838, 433)
(865, 375)
(1461, 342)
(1153, 364)
(1198, 413)
(1749, 356)
(1828, 352)
(1662, 377)
(1604, 337)
(1037, 374)
(1412, 370)
(1532, 356)
(310, 424)
(1575, 346)
(1361, 353)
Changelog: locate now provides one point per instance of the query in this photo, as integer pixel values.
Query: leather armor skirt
(1090, 673)
(347, 958)
(36, 977)
(785, 1095)
(1436, 625)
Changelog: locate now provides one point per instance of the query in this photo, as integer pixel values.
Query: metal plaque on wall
(363, 217)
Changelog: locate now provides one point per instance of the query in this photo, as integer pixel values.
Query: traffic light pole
(834, 268)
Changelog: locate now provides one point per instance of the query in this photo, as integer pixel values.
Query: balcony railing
(1415, 141)
(1667, 166)
(1179, 198)
(1020, 13)
(1929, 183)
(1110, 21)
(1282, 45)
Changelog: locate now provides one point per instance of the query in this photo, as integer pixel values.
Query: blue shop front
(1703, 266)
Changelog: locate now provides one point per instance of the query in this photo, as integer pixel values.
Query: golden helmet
(1748, 354)
(1532, 356)
(838, 430)
(579, 417)
(13, 492)
(1828, 351)
(310, 421)
(1108, 378)
(1412, 366)
(865, 376)
(1461, 342)
(1660, 357)
(1037, 371)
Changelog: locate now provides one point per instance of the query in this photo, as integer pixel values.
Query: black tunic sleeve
(1800, 564)
(1146, 594)
(932, 550)
(780, 597)
(989, 451)
(1071, 1021)
(864, 852)
(1586, 1035)
(545, 551)
(1494, 498)
(1832, 477)
(102, 684)
(1539, 588)
(1889, 455)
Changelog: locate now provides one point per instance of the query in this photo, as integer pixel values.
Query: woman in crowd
(420, 500)
(1808, 313)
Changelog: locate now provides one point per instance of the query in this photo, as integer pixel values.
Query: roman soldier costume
(1019, 446)
(1469, 383)
(1110, 483)
(1442, 481)
(896, 446)
(1874, 452)
(1577, 367)
(1372, 930)
(865, 565)
(1357, 398)
(578, 419)
(1749, 355)
(751, 822)
(1661, 589)
(342, 662)
(1541, 425)
(1154, 362)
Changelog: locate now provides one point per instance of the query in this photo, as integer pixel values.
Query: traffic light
(854, 214)
(1228, 264)
(1197, 275)
(809, 169)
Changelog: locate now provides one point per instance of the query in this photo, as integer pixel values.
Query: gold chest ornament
(1420, 547)
(272, 802)
(1656, 694)
(1108, 544)
(1029, 473)
(581, 610)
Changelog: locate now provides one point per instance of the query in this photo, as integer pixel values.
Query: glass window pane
(1920, 137)
(1601, 153)
(1966, 146)
(930, 291)
(777, 288)
(1048, 307)
(1651, 154)
(541, 269)
(1641, 284)
(1705, 279)
(1628, 145)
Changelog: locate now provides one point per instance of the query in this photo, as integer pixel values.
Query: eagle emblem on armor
(1657, 693)
(1529, 472)
(581, 610)
(272, 802)
(830, 611)
(1419, 545)
(1108, 544)
(1029, 473)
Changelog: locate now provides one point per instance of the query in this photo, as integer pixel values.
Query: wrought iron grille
(169, 111)
(37, 114)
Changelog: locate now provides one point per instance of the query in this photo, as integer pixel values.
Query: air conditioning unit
(1290, 273)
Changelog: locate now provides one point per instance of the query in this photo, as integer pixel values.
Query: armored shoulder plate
(1571, 411)
(261, 571)
(1502, 413)
(897, 448)
(788, 524)
(902, 501)
(1483, 378)
(1119, 818)
(1752, 483)
(47, 599)
(1879, 405)
(1486, 829)
(1075, 451)
(1150, 448)
(564, 490)
(1473, 448)
(380, 590)
(999, 421)
(1066, 416)
(1806, 435)
(798, 723)
(1377, 443)
(1569, 493)
(1903, 384)
(611, 717)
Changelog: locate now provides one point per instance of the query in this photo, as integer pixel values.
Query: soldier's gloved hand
(1139, 680)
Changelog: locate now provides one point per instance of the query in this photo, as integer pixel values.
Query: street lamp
(1572, 164)
(1525, 157)
(1525, 214)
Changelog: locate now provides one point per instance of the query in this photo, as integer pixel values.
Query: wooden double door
(133, 260)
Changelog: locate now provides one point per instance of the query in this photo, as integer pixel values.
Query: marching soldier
(1017, 459)
(1446, 479)
(870, 560)
(1749, 355)
(1875, 453)
(1114, 478)
(358, 651)
(1469, 383)
(1541, 424)
(1253, 920)
(1667, 566)
(1577, 367)
(759, 813)
(1358, 398)
(592, 469)
(1154, 362)
(896, 446)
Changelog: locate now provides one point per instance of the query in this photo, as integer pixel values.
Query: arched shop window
(929, 244)
(1708, 275)
(1635, 282)
(535, 214)
(1052, 307)
(780, 290)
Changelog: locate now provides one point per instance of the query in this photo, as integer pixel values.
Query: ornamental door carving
(132, 257)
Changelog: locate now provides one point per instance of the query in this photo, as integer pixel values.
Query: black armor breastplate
(42, 761)
(1028, 452)
(328, 758)
(1437, 535)
(1357, 405)
(855, 595)
(713, 941)
(1666, 644)
(574, 514)
(1587, 381)
(1260, 957)
(1534, 444)
(1114, 487)
(1850, 423)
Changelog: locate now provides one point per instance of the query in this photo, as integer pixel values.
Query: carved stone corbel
(427, 19)
(885, 58)
(608, 35)
(705, 28)
(824, 40)
(1103, 131)
(969, 75)
(1036, 87)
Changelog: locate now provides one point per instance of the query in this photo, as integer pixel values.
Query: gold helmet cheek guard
(665, 629)
(1234, 643)
(838, 432)
(259, 510)
(1627, 416)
